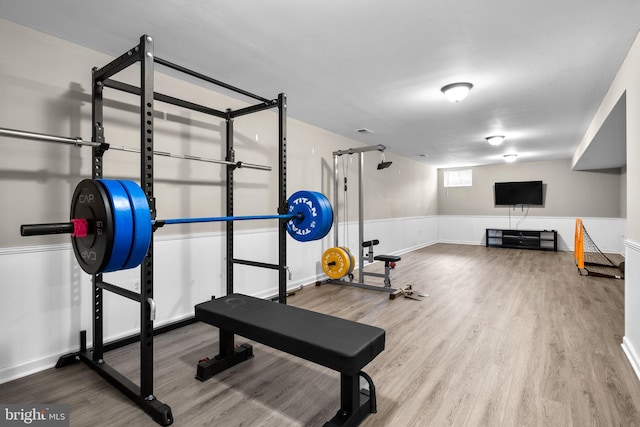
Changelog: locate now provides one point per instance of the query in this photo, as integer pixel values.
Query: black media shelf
(545, 240)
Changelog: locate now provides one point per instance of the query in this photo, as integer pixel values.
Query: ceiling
(539, 68)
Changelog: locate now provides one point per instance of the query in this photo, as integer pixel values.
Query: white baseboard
(415, 248)
(462, 242)
(632, 356)
(31, 367)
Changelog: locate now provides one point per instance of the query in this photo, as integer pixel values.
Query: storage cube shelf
(546, 240)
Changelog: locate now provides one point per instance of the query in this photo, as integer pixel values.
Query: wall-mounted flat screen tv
(518, 193)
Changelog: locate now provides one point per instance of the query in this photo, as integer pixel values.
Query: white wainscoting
(607, 233)
(631, 339)
(46, 297)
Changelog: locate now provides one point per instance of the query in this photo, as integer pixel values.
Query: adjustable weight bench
(387, 259)
(342, 345)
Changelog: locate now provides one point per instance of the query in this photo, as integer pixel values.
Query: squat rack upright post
(143, 53)
(143, 394)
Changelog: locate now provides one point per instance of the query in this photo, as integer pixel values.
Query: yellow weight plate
(336, 263)
(351, 257)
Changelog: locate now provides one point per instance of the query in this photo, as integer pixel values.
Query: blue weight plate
(327, 214)
(141, 224)
(325, 217)
(122, 224)
(317, 216)
(301, 229)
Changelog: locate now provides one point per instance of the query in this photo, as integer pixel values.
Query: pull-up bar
(208, 79)
(79, 142)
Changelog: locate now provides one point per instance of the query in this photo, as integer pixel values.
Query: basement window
(458, 178)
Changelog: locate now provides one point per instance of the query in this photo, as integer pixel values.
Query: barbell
(111, 223)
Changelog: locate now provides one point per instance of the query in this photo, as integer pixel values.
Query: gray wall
(45, 84)
(566, 192)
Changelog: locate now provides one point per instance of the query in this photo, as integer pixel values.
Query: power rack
(143, 53)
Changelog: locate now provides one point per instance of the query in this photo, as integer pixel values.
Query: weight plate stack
(351, 257)
(336, 263)
(122, 224)
(91, 201)
(142, 229)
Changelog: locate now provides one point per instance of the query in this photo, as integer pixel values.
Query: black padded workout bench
(342, 345)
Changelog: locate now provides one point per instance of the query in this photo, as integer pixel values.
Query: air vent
(364, 130)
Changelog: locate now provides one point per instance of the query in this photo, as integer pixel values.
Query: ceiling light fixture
(510, 158)
(456, 92)
(495, 139)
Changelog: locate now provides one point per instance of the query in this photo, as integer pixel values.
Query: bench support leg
(355, 403)
(387, 274)
(228, 356)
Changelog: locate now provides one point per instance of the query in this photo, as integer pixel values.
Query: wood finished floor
(506, 338)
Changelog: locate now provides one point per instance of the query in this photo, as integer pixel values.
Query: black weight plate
(90, 201)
